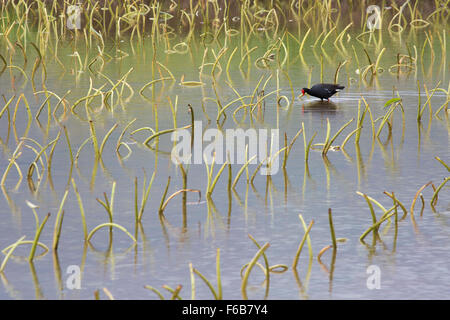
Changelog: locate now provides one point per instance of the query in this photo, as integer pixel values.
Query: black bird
(322, 90)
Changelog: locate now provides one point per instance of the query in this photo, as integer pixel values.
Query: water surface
(413, 265)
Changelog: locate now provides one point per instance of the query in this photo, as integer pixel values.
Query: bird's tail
(340, 87)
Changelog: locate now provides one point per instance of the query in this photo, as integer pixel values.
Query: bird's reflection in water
(323, 107)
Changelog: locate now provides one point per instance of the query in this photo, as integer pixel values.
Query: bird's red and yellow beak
(303, 93)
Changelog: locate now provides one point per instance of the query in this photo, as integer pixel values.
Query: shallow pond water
(413, 259)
